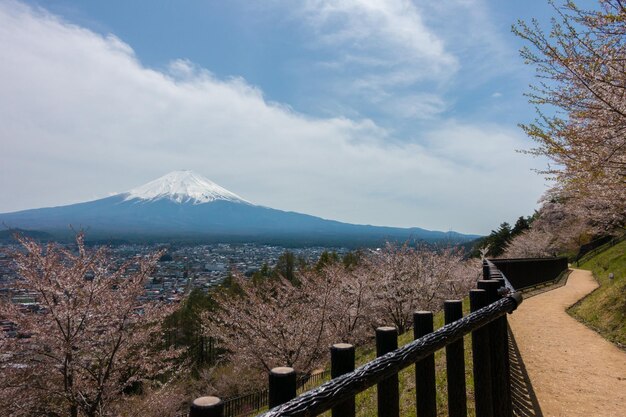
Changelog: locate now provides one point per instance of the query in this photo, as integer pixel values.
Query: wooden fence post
(486, 272)
(491, 287)
(504, 362)
(425, 388)
(455, 363)
(282, 385)
(482, 359)
(388, 391)
(498, 346)
(206, 407)
(342, 362)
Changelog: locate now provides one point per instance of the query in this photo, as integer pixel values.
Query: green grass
(366, 401)
(604, 310)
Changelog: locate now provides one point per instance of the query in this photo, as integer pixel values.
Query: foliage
(404, 279)
(533, 243)
(286, 267)
(498, 239)
(605, 308)
(276, 322)
(90, 338)
(263, 273)
(351, 304)
(555, 230)
(581, 71)
(496, 242)
(183, 328)
(366, 400)
(522, 224)
(326, 258)
(352, 259)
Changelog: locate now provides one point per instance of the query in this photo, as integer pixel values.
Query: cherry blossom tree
(89, 338)
(581, 68)
(533, 243)
(350, 303)
(264, 323)
(274, 322)
(405, 279)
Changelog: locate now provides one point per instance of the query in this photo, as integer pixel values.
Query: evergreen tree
(262, 274)
(184, 327)
(286, 267)
(522, 223)
(229, 284)
(326, 258)
(351, 259)
(497, 240)
(303, 264)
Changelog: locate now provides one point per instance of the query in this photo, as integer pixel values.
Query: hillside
(7, 236)
(366, 401)
(604, 310)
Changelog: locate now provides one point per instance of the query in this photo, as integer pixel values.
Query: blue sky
(388, 112)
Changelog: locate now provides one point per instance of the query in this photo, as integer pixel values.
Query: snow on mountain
(183, 187)
(172, 208)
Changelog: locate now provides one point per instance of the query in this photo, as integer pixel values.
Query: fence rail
(334, 392)
(494, 298)
(528, 272)
(597, 247)
(250, 403)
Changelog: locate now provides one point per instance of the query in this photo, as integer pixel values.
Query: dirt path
(573, 370)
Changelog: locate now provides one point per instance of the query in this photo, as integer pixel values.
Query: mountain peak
(183, 187)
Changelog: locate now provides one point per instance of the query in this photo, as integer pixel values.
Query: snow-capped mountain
(183, 187)
(185, 206)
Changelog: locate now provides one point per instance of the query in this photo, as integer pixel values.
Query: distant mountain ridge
(7, 236)
(185, 206)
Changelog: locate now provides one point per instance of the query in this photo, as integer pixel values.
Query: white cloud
(415, 106)
(479, 39)
(380, 52)
(80, 116)
(377, 47)
(391, 27)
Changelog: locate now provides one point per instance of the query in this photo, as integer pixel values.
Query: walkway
(573, 370)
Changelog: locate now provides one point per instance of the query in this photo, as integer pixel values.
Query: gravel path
(573, 370)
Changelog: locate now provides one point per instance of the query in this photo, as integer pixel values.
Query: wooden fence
(596, 247)
(250, 403)
(494, 297)
(528, 272)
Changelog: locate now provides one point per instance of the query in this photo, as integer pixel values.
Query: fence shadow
(525, 403)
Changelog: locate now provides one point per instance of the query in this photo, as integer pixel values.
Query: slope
(604, 310)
